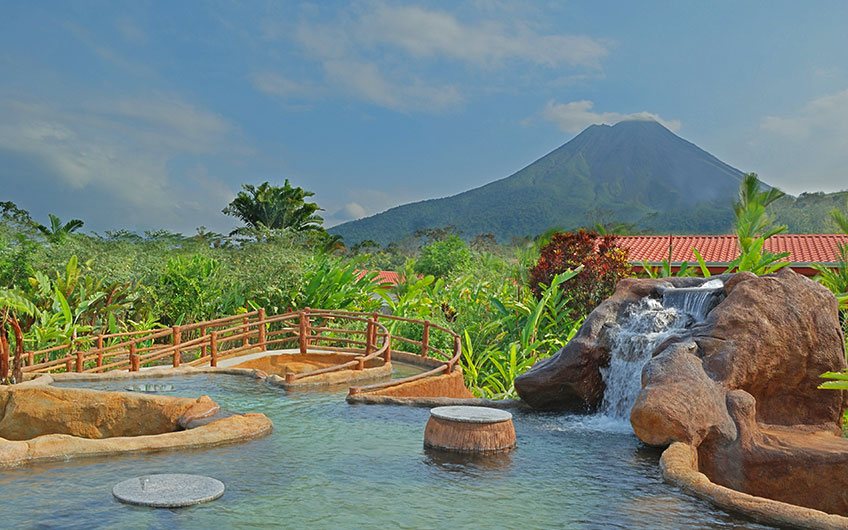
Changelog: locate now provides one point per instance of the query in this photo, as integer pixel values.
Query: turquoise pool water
(333, 465)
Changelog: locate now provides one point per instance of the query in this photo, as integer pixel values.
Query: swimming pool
(329, 464)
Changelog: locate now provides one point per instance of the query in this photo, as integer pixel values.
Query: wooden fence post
(176, 340)
(388, 355)
(100, 350)
(69, 359)
(360, 363)
(134, 364)
(306, 311)
(245, 339)
(425, 339)
(213, 349)
(263, 343)
(80, 361)
(369, 337)
(302, 331)
(203, 346)
(457, 345)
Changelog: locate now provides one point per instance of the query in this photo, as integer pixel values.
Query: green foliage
(334, 284)
(836, 279)
(838, 381)
(58, 231)
(16, 302)
(267, 207)
(664, 270)
(444, 256)
(506, 329)
(16, 260)
(520, 333)
(191, 289)
(754, 226)
(807, 213)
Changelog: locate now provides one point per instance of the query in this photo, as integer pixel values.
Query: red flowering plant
(604, 264)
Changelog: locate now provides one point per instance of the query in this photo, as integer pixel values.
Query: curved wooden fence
(367, 336)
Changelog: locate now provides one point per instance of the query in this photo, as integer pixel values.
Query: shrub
(604, 264)
(190, 289)
(442, 257)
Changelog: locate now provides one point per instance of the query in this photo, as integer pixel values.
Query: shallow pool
(333, 465)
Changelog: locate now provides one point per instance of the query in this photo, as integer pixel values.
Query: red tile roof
(388, 278)
(803, 248)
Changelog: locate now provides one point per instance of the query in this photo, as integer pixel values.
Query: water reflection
(470, 463)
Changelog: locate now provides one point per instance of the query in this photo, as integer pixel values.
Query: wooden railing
(365, 336)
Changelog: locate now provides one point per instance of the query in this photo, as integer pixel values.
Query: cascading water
(645, 326)
(694, 301)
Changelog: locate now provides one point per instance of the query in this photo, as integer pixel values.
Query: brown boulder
(801, 466)
(679, 402)
(29, 412)
(772, 337)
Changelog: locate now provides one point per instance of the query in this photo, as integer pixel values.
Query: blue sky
(147, 115)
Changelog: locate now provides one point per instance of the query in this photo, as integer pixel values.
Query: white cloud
(810, 144)
(398, 57)
(431, 33)
(367, 82)
(353, 210)
(575, 116)
(275, 84)
(122, 149)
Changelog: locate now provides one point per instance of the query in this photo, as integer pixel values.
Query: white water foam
(645, 326)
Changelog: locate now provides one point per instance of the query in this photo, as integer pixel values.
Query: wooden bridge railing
(365, 336)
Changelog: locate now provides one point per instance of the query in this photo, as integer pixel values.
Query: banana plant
(13, 305)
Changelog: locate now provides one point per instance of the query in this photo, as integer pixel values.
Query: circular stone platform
(470, 430)
(168, 490)
(471, 414)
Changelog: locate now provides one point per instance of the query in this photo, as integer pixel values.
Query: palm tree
(57, 231)
(754, 226)
(836, 278)
(275, 207)
(752, 220)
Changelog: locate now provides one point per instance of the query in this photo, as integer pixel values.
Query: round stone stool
(168, 490)
(470, 430)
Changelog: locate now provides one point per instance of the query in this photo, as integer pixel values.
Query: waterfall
(694, 301)
(644, 327)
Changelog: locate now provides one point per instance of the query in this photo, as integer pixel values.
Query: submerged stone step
(171, 490)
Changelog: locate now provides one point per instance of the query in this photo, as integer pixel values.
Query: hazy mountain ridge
(635, 172)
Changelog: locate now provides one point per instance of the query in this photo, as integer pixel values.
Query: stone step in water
(168, 490)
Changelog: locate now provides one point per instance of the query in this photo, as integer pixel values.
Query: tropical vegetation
(512, 304)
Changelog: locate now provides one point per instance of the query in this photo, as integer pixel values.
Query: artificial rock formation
(771, 336)
(35, 411)
(571, 379)
(41, 423)
(738, 386)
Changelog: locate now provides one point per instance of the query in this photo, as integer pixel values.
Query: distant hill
(635, 172)
(808, 213)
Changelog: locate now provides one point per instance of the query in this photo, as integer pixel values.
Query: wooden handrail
(229, 336)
